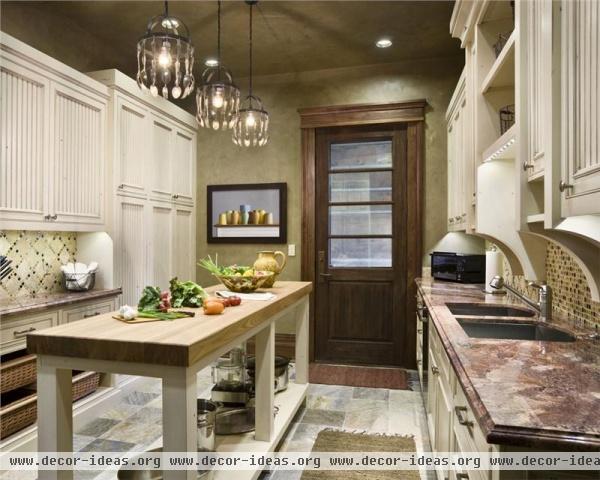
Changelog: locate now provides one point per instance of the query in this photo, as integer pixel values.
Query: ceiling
(289, 36)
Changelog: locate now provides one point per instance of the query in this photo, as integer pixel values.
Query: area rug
(373, 377)
(339, 441)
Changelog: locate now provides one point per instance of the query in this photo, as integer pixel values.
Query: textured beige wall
(221, 162)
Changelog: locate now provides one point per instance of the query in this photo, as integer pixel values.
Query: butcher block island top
(180, 342)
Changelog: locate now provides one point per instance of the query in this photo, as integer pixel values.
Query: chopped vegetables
(162, 315)
(186, 294)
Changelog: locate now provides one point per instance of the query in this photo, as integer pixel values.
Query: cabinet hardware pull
(22, 333)
(462, 476)
(175, 195)
(54, 217)
(526, 166)
(88, 315)
(121, 187)
(459, 415)
(562, 186)
(435, 370)
(420, 330)
(47, 217)
(457, 218)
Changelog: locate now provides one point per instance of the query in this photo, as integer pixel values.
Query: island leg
(302, 321)
(55, 420)
(179, 418)
(265, 381)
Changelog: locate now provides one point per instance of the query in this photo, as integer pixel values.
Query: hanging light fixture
(217, 97)
(165, 57)
(251, 128)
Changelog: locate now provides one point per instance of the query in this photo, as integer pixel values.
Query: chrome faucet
(544, 303)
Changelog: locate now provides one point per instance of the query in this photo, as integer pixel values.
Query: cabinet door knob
(526, 166)
(54, 217)
(435, 370)
(176, 195)
(47, 217)
(562, 186)
(121, 187)
(459, 415)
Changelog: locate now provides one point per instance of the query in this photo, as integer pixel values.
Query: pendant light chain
(250, 46)
(166, 8)
(219, 32)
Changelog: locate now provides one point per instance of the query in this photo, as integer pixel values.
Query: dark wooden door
(361, 244)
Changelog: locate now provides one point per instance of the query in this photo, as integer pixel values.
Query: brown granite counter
(533, 394)
(20, 305)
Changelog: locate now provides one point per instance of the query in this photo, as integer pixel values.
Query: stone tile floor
(135, 423)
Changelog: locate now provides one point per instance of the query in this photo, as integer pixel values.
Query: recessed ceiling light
(211, 62)
(384, 43)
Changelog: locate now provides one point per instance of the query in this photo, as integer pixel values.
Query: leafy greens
(186, 294)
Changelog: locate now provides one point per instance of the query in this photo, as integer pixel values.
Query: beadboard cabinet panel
(184, 246)
(131, 253)
(131, 144)
(161, 243)
(580, 108)
(162, 140)
(78, 157)
(24, 96)
(538, 37)
(184, 160)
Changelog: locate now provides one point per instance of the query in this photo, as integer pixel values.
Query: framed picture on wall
(247, 213)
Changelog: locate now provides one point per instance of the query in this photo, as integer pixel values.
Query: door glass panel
(361, 155)
(360, 220)
(360, 187)
(360, 252)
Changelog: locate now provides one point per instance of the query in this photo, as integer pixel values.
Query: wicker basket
(17, 373)
(22, 412)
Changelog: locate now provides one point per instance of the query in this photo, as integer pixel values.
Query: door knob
(562, 186)
(526, 166)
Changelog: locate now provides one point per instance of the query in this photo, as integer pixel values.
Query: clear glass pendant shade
(165, 58)
(217, 99)
(251, 128)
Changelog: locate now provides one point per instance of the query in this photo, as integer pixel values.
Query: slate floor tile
(97, 427)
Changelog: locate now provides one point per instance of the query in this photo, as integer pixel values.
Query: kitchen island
(173, 351)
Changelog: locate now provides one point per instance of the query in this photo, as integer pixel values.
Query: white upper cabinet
(163, 142)
(580, 175)
(24, 100)
(536, 43)
(77, 173)
(183, 166)
(52, 161)
(131, 146)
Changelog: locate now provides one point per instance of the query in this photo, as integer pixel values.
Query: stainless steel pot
(282, 372)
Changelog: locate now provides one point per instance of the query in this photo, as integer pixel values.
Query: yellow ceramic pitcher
(267, 260)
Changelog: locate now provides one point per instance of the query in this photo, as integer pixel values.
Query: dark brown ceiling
(289, 36)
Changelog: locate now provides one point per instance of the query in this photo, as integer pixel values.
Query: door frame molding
(413, 114)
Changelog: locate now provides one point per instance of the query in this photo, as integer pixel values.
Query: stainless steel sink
(487, 310)
(513, 331)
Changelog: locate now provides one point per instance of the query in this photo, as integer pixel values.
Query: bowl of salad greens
(237, 278)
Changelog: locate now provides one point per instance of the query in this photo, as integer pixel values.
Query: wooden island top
(180, 342)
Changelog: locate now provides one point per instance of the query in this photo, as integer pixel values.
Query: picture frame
(247, 213)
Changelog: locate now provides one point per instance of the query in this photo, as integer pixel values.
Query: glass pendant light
(251, 128)
(165, 57)
(217, 97)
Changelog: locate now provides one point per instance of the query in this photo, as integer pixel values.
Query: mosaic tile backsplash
(570, 290)
(36, 260)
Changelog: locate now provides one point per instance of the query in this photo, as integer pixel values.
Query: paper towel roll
(493, 267)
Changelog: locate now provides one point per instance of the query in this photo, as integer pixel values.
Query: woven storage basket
(17, 373)
(23, 412)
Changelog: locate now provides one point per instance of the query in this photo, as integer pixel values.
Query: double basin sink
(504, 330)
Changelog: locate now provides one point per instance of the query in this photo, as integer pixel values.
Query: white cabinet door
(184, 243)
(184, 171)
(537, 41)
(443, 427)
(78, 157)
(24, 96)
(131, 146)
(581, 108)
(161, 163)
(131, 247)
(160, 230)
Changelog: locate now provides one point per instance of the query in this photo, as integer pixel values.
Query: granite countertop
(29, 304)
(534, 394)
